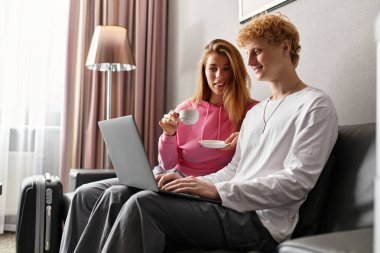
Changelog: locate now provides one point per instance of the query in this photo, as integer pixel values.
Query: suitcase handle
(48, 228)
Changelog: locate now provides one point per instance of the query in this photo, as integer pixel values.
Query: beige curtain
(139, 92)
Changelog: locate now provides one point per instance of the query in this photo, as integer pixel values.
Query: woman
(222, 100)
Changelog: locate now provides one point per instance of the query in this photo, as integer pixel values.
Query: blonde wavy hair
(275, 29)
(236, 94)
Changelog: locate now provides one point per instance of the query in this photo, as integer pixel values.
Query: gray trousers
(126, 219)
(83, 202)
(81, 207)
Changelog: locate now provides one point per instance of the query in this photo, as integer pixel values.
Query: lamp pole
(107, 164)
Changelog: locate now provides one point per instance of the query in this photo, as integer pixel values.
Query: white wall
(338, 49)
(192, 24)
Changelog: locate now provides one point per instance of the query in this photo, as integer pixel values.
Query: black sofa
(338, 213)
(345, 223)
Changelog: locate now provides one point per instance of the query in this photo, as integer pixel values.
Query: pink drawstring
(204, 123)
(220, 113)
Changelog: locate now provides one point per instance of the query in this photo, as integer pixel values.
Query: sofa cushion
(359, 240)
(311, 209)
(208, 251)
(349, 204)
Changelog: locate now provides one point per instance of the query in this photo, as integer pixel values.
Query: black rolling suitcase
(39, 214)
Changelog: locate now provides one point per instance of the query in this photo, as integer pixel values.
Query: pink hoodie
(183, 152)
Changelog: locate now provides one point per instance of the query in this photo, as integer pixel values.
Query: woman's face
(266, 60)
(218, 74)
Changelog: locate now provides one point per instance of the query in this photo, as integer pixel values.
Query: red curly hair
(275, 29)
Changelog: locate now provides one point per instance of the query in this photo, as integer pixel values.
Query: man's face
(265, 60)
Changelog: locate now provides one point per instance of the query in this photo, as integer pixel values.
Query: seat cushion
(348, 241)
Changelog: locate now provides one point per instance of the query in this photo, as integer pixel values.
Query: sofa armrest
(78, 177)
(355, 241)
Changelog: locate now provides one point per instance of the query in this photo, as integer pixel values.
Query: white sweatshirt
(273, 171)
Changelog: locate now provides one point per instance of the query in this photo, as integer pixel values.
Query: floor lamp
(110, 51)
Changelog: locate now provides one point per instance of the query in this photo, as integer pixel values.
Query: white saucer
(213, 144)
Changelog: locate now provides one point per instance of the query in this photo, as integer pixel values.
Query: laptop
(129, 158)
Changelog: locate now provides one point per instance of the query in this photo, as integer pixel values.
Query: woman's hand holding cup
(169, 123)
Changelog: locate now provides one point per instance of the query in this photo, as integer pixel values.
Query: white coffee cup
(189, 116)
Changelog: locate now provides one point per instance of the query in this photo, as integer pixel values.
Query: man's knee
(118, 193)
(142, 199)
(148, 203)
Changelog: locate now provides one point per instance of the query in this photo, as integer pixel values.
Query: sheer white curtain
(33, 42)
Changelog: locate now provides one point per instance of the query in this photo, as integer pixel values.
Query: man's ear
(286, 46)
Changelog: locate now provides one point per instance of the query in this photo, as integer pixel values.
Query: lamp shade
(110, 50)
